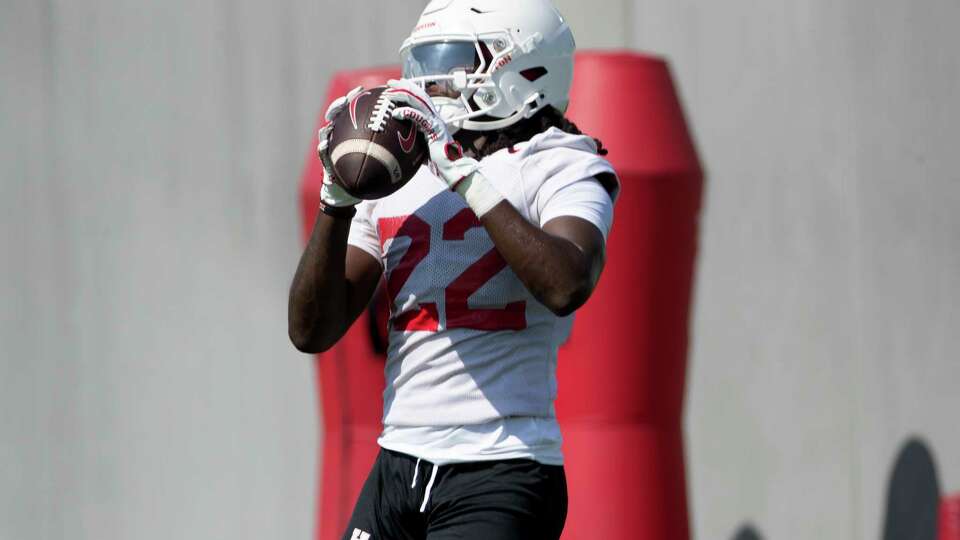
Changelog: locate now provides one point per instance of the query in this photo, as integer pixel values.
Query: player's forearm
(316, 310)
(555, 270)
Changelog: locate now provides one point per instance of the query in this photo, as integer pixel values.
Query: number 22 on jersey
(426, 317)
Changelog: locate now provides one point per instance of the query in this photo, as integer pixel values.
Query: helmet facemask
(460, 74)
(490, 64)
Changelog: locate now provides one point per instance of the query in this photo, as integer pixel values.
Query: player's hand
(459, 172)
(331, 193)
(446, 154)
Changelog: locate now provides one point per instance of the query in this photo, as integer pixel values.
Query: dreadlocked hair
(523, 130)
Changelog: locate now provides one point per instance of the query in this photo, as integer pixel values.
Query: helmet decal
(534, 73)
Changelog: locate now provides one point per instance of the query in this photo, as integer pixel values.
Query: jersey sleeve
(363, 232)
(565, 183)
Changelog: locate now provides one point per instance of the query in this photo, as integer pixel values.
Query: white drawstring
(416, 470)
(426, 495)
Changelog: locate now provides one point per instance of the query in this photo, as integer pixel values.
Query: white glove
(459, 172)
(331, 193)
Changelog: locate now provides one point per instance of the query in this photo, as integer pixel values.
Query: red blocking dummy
(621, 375)
(949, 519)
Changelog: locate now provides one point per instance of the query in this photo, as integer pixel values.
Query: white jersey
(472, 354)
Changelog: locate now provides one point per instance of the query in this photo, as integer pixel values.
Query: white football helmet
(504, 60)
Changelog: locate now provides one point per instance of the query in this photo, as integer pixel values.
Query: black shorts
(409, 499)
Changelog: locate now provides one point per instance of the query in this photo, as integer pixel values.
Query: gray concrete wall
(150, 152)
(826, 321)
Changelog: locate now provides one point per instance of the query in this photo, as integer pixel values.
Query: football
(372, 153)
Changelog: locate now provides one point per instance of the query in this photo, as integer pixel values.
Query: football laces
(381, 112)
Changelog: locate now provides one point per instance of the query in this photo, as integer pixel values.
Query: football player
(486, 253)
